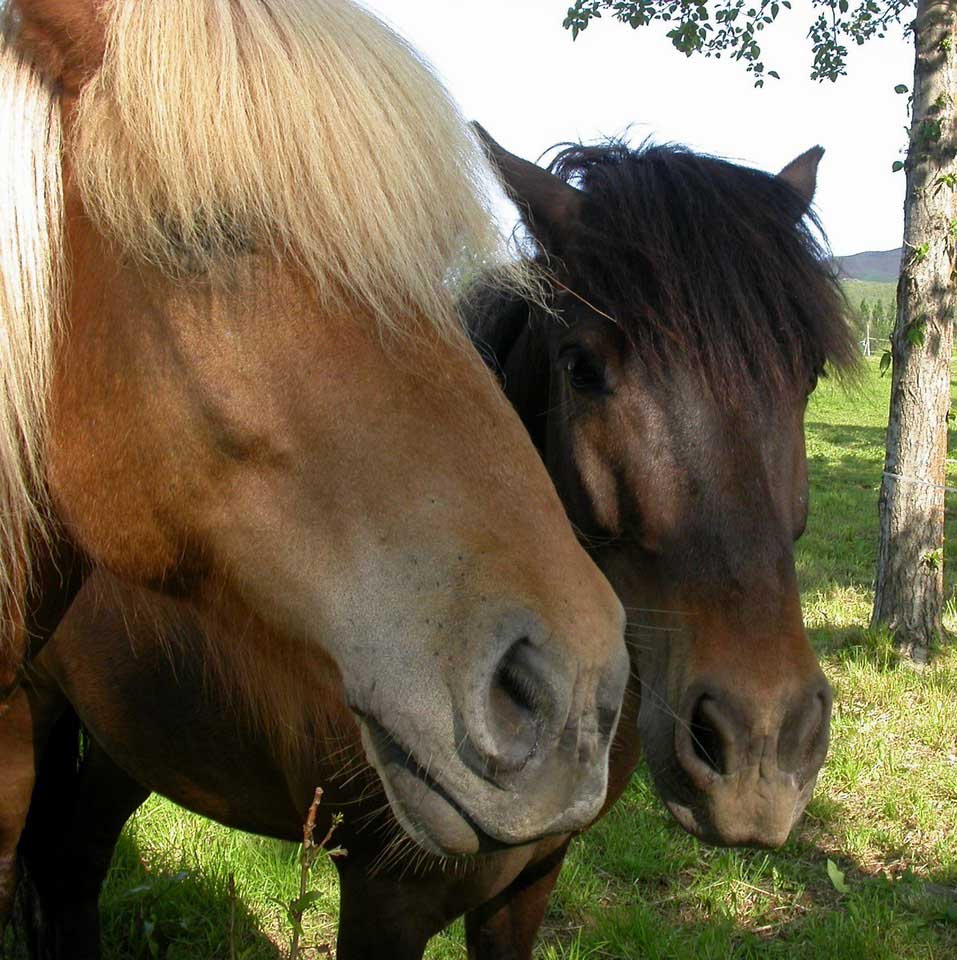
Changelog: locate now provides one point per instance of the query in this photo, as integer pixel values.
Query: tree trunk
(910, 582)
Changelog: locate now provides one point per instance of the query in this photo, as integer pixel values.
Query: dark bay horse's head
(692, 314)
(261, 400)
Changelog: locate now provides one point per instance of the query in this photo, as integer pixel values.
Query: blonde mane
(30, 295)
(304, 128)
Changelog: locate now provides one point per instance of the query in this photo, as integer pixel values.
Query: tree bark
(910, 584)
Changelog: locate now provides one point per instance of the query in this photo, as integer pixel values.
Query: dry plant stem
(310, 850)
(305, 863)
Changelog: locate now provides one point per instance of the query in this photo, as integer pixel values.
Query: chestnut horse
(692, 313)
(231, 371)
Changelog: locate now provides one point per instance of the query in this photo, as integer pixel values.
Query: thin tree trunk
(910, 581)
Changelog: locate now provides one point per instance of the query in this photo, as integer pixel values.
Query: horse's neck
(34, 606)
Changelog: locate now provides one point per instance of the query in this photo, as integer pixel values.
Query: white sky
(511, 66)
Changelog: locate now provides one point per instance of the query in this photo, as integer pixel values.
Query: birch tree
(909, 592)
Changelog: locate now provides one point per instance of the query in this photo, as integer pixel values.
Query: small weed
(309, 853)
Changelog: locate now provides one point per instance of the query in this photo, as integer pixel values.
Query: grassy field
(885, 812)
(870, 290)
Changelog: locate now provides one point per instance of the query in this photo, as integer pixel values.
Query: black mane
(702, 262)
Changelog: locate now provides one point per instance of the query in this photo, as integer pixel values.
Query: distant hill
(881, 266)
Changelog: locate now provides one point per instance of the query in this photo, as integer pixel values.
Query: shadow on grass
(181, 915)
(872, 648)
(851, 436)
(674, 899)
(159, 915)
(840, 540)
(856, 644)
(840, 543)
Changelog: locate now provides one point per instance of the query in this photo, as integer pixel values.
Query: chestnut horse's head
(693, 313)
(260, 400)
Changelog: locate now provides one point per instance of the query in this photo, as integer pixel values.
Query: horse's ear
(549, 207)
(66, 38)
(500, 325)
(801, 173)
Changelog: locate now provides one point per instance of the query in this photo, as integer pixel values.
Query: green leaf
(896, 166)
(885, 362)
(900, 88)
(303, 903)
(837, 877)
(915, 330)
(930, 130)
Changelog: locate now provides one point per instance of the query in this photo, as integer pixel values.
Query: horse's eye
(585, 373)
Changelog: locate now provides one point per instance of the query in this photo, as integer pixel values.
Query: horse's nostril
(517, 682)
(520, 704)
(707, 739)
(711, 740)
(804, 735)
(532, 711)
(721, 734)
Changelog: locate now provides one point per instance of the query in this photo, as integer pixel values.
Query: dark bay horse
(231, 371)
(691, 313)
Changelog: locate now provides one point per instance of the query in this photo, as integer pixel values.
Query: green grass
(885, 811)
